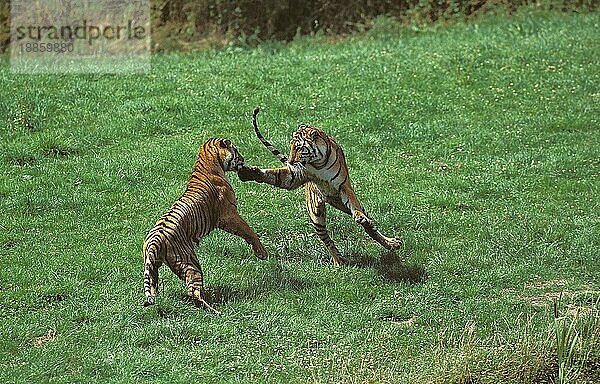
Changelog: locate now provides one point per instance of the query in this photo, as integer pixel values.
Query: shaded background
(197, 24)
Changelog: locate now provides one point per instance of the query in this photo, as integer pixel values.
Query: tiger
(317, 162)
(207, 203)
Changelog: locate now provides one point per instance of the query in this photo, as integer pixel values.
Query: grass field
(477, 144)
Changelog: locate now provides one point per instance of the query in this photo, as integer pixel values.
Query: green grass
(477, 144)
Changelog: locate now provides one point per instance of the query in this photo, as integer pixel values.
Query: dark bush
(256, 20)
(284, 19)
(181, 24)
(4, 24)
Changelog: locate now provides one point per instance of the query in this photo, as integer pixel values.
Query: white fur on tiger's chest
(321, 179)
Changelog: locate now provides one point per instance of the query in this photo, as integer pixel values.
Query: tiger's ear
(225, 143)
(314, 135)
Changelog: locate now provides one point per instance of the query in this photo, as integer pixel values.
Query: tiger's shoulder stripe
(266, 143)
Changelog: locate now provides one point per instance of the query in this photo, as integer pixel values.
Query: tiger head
(229, 155)
(308, 145)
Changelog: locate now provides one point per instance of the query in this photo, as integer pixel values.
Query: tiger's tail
(150, 274)
(269, 146)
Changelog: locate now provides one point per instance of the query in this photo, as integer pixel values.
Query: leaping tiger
(207, 203)
(317, 162)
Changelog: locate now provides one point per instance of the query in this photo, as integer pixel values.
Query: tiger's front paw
(261, 252)
(250, 173)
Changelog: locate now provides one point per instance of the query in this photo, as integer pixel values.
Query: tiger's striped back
(195, 214)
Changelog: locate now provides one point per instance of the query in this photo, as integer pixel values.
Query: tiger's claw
(250, 173)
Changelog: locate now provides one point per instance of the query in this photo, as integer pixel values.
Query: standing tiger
(318, 163)
(207, 203)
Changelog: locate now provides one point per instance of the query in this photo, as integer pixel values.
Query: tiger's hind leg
(151, 265)
(315, 205)
(189, 270)
(361, 218)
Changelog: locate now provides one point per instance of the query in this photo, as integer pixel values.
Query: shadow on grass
(34, 303)
(278, 279)
(391, 268)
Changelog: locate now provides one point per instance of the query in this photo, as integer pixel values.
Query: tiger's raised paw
(250, 173)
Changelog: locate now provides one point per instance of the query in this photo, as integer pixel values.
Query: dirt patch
(546, 284)
(399, 320)
(549, 298)
(580, 301)
(48, 337)
(391, 268)
(441, 166)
